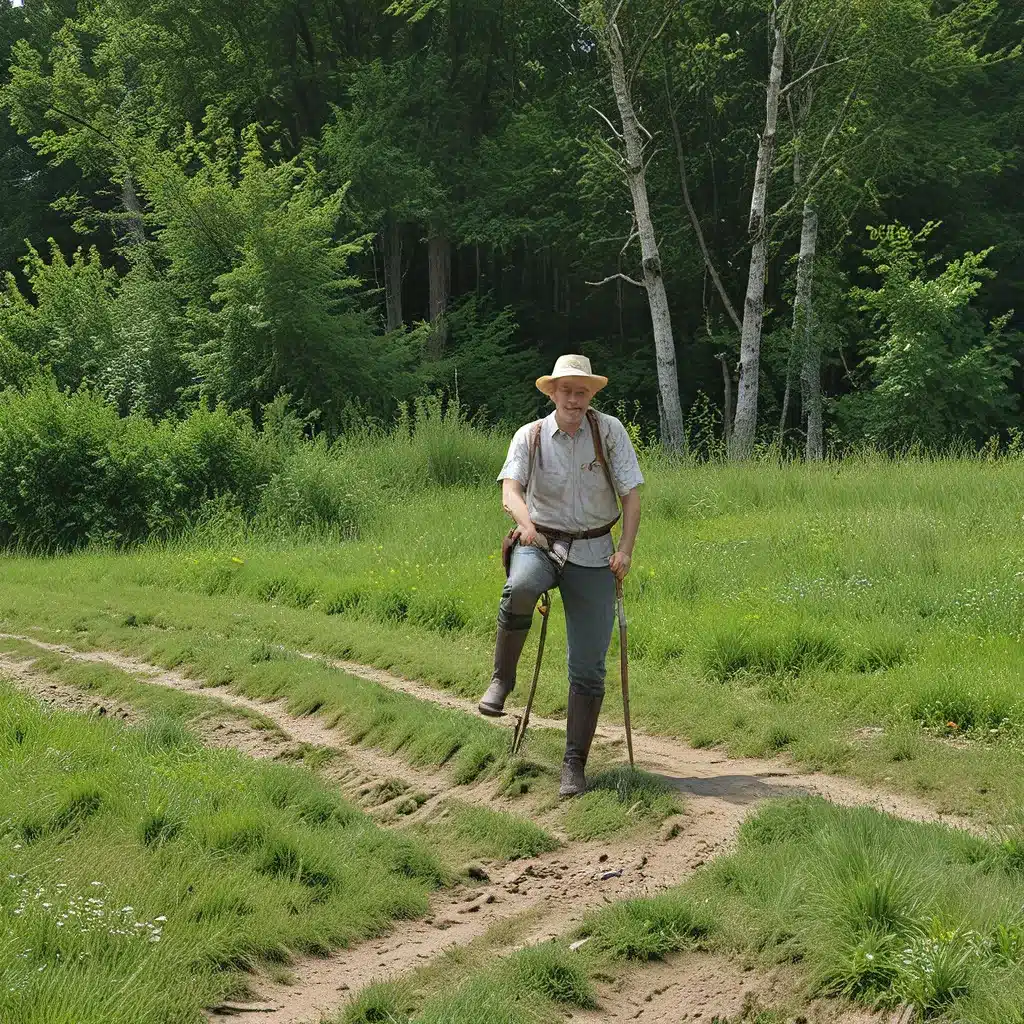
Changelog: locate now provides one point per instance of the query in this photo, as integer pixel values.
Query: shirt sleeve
(517, 462)
(622, 458)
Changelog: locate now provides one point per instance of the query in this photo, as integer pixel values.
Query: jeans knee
(510, 620)
(518, 599)
(586, 677)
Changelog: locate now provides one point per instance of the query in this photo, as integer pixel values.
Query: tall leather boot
(580, 726)
(508, 646)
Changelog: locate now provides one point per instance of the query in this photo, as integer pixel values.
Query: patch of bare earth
(552, 892)
(701, 987)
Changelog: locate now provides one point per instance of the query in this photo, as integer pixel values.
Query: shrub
(71, 471)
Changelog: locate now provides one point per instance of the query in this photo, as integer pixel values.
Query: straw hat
(571, 366)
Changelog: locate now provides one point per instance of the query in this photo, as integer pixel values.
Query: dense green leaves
(256, 191)
(937, 371)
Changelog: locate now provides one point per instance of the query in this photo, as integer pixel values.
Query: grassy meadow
(863, 616)
(129, 855)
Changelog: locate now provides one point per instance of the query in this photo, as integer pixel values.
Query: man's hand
(531, 538)
(619, 564)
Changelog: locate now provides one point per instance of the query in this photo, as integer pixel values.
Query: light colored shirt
(569, 490)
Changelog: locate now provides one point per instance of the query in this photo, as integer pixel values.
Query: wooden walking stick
(624, 667)
(520, 731)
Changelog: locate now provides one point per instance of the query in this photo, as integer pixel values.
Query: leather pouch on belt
(558, 551)
(508, 543)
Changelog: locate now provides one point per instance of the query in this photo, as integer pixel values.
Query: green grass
(874, 909)
(140, 873)
(617, 799)
(478, 832)
(771, 609)
(420, 732)
(536, 985)
(861, 906)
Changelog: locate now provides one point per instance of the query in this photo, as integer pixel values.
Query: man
(560, 494)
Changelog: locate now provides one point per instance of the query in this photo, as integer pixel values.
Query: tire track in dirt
(552, 892)
(695, 772)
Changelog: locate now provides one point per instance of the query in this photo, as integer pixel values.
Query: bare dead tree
(745, 425)
(629, 153)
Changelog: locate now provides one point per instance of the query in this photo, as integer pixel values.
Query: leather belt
(599, 531)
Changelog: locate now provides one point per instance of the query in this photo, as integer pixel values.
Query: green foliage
(269, 298)
(68, 327)
(73, 472)
(376, 142)
(481, 832)
(16, 367)
(131, 855)
(937, 372)
(480, 350)
(87, 327)
(618, 799)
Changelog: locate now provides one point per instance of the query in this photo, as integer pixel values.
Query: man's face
(571, 400)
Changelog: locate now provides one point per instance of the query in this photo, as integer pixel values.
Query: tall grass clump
(881, 910)
(140, 873)
(480, 832)
(617, 799)
(434, 444)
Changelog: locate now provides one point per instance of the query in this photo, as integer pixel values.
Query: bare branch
(572, 14)
(615, 131)
(694, 221)
(651, 37)
(647, 163)
(617, 277)
(811, 71)
(633, 233)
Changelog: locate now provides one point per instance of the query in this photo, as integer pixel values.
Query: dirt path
(703, 987)
(551, 893)
(699, 773)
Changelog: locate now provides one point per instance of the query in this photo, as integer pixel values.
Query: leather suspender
(595, 429)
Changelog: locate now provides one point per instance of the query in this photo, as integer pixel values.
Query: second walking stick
(624, 667)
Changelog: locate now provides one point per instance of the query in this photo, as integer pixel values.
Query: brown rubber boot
(508, 646)
(580, 726)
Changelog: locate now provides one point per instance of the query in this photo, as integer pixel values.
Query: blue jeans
(588, 596)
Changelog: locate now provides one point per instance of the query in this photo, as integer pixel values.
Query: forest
(792, 223)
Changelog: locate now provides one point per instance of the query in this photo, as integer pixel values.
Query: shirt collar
(551, 427)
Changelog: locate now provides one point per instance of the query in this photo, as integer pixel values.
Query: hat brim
(594, 381)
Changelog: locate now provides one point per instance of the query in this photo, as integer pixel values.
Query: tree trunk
(439, 268)
(745, 425)
(136, 230)
(392, 238)
(661, 320)
(806, 336)
(727, 387)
